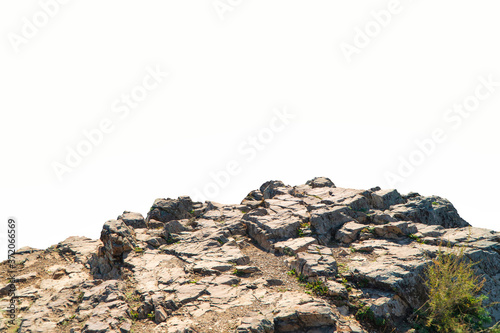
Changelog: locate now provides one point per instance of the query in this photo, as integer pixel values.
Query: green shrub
(454, 303)
(317, 287)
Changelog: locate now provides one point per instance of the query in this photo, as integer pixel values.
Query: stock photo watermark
(364, 36)
(223, 7)
(32, 25)
(454, 117)
(247, 150)
(12, 235)
(122, 107)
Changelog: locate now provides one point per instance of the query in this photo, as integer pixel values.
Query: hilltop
(307, 258)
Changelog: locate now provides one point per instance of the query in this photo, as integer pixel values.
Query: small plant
(342, 268)
(132, 297)
(292, 272)
(134, 315)
(237, 272)
(352, 249)
(454, 303)
(191, 211)
(416, 238)
(300, 233)
(317, 287)
(370, 230)
(138, 250)
(346, 284)
(80, 297)
(305, 225)
(221, 242)
(288, 251)
(365, 313)
(151, 315)
(172, 240)
(302, 278)
(434, 203)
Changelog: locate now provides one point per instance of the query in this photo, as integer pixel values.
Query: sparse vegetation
(416, 238)
(317, 287)
(138, 250)
(368, 230)
(454, 303)
(365, 314)
(237, 272)
(288, 251)
(134, 315)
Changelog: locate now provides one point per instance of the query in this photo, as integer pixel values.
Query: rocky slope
(208, 267)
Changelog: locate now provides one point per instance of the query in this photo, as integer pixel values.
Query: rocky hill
(308, 258)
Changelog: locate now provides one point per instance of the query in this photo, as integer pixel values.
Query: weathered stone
(326, 220)
(185, 264)
(320, 182)
(294, 245)
(313, 265)
(383, 199)
(429, 210)
(165, 210)
(299, 314)
(272, 188)
(349, 232)
(133, 220)
(255, 324)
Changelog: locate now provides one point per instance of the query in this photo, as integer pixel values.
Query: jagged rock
(384, 199)
(349, 232)
(298, 313)
(336, 289)
(255, 324)
(429, 210)
(165, 210)
(265, 227)
(326, 220)
(272, 188)
(200, 267)
(314, 265)
(133, 220)
(117, 238)
(320, 182)
(246, 269)
(294, 245)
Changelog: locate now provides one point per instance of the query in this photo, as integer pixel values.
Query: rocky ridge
(308, 258)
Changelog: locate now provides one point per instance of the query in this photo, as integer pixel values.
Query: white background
(229, 71)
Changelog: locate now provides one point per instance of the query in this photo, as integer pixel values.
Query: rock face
(304, 258)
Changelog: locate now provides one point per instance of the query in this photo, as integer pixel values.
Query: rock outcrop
(306, 258)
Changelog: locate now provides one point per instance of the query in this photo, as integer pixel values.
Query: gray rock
(297, 313)
(349, 232)
(320, 182)
(384, 199)
(133, 220)
(165, 210)
(429, 210)
(314, 265)
(326, 220)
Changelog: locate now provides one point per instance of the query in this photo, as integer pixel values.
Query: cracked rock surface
(286, 259)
